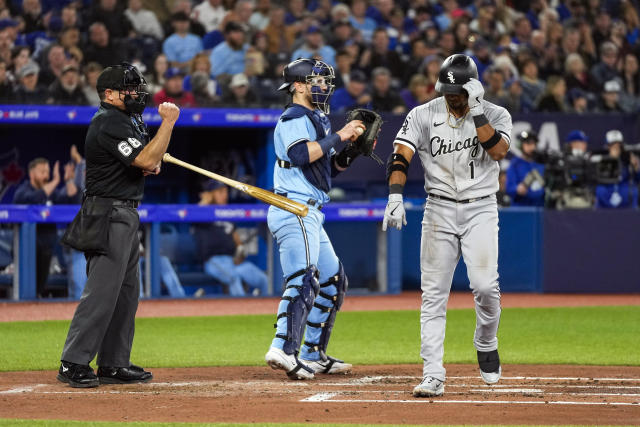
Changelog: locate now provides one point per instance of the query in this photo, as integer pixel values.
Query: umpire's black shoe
(131, 375)
(78, 376)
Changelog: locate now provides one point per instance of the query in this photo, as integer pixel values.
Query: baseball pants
(303, 242)
(104, 320)
(449, 230)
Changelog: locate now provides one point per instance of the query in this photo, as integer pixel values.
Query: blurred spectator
(295, 11)
(578, 102)
(503, 199)
(361, 21)
(28, 90)
(69, 16)
(6, 86)
(485, 23)
(314, 47)
(41, 189)
(173, 90)
(144, 21)
(340, 12)
(461, 34)
(32, 16)
(69, 38)
(183, 6)
(521, 31)
(210, 14)
(343, 68)
(20, 56)
(481, 55)
(260, 17)
(181, 46)
(601, 28)
(431, 69)
(240, 95)
(524, 180)
(280, 37)
(353, 95)
(91, 72)
(54, 64)
(624, 193)
(229, 56)
(417, 93)
(200, 64)
(552, 100)
(255, 60)
(515, 100)
(576, 74)
(379, 55)
(631, 75)
(155, 79)
(240, 14)
(224, 251)
(101, 48)
(67, 89)
(532, 86)
(606, 70)
(611, 100)
(494, 90)
(112, 16)
(383, 98)
(447, 43)
(341, 34)
(201, 91)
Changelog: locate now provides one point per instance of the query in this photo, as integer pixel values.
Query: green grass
(581, 335)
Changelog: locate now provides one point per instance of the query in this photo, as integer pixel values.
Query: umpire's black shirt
(114, 134)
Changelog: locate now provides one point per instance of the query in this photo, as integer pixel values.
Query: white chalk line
(325, 397)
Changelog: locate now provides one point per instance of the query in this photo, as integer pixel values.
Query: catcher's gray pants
(104, 319)
(448, 230)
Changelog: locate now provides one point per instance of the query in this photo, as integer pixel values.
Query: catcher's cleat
(77, 376)
(289, 363)
(490, 369)
(329, 366)
(429, 387)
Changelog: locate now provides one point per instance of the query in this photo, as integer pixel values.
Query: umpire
(119, 155)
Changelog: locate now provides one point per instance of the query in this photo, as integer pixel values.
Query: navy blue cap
(577, 135)
(173, 72)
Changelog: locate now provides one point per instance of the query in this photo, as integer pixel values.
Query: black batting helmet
(456, 70)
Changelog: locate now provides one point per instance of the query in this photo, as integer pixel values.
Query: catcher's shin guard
(295, 306)
(324, 312)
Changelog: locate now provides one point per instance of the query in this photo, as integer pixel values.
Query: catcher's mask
(456, 70)
(318, 75)
(131, 84)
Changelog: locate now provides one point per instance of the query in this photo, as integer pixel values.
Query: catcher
(314, 280)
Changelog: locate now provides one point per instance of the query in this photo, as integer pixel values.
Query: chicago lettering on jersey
(441, 146)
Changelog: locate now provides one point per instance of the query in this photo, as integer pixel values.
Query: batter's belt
(449, 199)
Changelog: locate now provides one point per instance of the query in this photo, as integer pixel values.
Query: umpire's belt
(129, 203)
(311, 202)
(449, 199)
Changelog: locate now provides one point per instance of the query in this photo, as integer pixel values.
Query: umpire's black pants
(104, 321)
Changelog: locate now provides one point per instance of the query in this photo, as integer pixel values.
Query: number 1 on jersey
(472, 169)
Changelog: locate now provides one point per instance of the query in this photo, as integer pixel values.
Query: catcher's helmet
(318, 74)
(456, 70)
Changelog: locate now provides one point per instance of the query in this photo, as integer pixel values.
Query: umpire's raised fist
(169, 111)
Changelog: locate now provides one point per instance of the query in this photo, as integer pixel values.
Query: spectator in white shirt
(210, 14)
(260, 18)
(144, 21)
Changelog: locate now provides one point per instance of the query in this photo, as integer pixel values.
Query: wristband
(329, 142)
(491, 142)
(396, 189)
(480, 120)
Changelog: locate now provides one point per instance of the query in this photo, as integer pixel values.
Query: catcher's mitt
(367, 141)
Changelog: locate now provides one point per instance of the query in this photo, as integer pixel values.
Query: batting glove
(476, 92)
(394, 214)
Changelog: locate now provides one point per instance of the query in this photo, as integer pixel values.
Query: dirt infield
(527, 394)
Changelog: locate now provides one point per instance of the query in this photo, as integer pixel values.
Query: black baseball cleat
(131, 375)
(77, 376)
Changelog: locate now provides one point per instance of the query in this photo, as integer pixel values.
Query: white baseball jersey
(455, 165)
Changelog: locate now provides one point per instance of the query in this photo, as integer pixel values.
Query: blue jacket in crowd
(518, 170)
(621, 195)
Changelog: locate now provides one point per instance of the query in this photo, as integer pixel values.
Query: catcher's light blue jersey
(304, 182)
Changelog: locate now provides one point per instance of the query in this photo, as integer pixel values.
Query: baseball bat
(266, 196)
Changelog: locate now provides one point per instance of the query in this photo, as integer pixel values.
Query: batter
(459, 138)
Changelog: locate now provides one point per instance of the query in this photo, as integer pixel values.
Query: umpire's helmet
(125, 77)
(456, 70)
(318, 74)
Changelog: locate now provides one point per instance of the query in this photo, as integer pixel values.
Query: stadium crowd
(551, 56)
